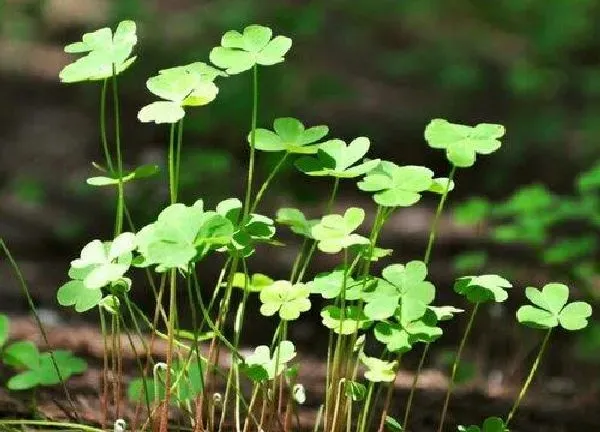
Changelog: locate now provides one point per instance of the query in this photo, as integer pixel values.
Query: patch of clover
(551, 309)
(240, 52)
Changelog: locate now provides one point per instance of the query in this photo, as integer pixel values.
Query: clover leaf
(262, 366)
(107, 53)
(289, 135)
(180, 234)
(335, 232)
(400, 338)
(491, 424)
(402, 286)
(462, 143)
(285, 298)
(354, 319)
(143, 171)
(484, 288)
(296, 220)
(188, 85)
(335, 158)
(75, 293)
(40, 369)
(4, 329)
(329, 285)
(103, 263)
(255, 283)
(378, 370)
(396, 186)
(241, 51)
(551, 309)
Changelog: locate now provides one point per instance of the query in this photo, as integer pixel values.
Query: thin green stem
(103, 135)
(178, 154)
(171, 161)
(530, 377)
(364, 412)
(267, 182)
(251, 162)
(426, 259)
(27, 294)
(451, 383)
(171, 336)
(120, 185)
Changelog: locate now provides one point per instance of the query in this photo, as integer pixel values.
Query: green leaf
(550, 309)
(353, 319)
(440, 186)
(335, 232)
(355, 391)
(329, 285)
(462, 143)
(472, 212)
(396, 186)
(403, 287)
(107, 53)
(4, 329)
(484, 288)
(290, 136)
(269, 366)
(491, 424)
(392, 424)
(335, 158)
(23, 381)
(296, 220)
(255, 283)
(75, 293)
(21, 355)
(161, 112)
(379, 370)
(241, 51)
(286, 299)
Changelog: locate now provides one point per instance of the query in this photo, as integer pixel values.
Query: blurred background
(379, 68)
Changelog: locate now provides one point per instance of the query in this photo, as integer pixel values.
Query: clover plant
(372, 319)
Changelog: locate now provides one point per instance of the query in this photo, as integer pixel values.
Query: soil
(544, 410)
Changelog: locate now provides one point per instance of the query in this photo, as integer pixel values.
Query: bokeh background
(379, 68)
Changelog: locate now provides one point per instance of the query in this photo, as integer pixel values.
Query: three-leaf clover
(400, 337)
(39, 368)
(296, 220)
(329, 285)
(484, 288)
(285, 298)
(378, 370)
(181, 86)
(334, 232)
(403, 287)
(462, 143)
(491, 424)
(106, 54)
(262, 366)
(180, 234)
(335, 158)
(551, 309)
(396, 186)
(241, 51)
(289, 135)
